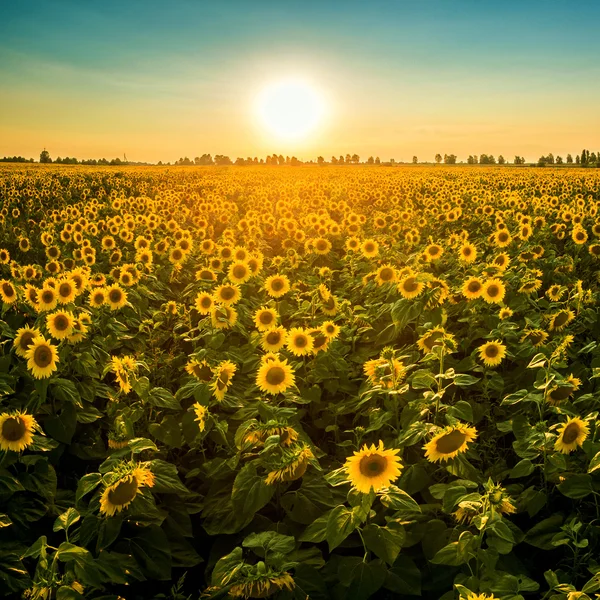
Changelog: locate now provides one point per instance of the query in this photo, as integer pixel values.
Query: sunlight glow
(289, 109)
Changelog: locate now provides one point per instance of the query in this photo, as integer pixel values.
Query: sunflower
(299, 342)
(329, 306)
(493, 291)
(385, 372)
(116, 297)
(320, 340)
(579, 236)
(227, 294)
(409, 287)
(321, 246)
(492, 353)
(449, 443)
(502, 238)
(472, 288)
(97, 297)
(239, 272)
(223, 317)
(275, 376)
(205, 275)
(60, 324)
(292, 466)
(385, 274)
(373, 468)
(536, 336)
(369, 248)
(467, 253)
(201, 414)
(501, 261)
(65, 291)
(41, 357)
(204, 303)
(24, 339)
(531, 286)
(437, 336)
(274, 340)
(571, 434)
(265, 318)
(433, 252)
(474, 596)
(559, 393)
(224, 372)
(200, 370)
(121, 493)
(330, 329)
(277, 286)
(16, 431)
(561, 319)
(262, 585)
(8, 292)
(505, 313)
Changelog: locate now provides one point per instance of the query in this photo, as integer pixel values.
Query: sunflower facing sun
(373, 467)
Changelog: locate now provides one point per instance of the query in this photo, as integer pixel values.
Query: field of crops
(325, 383)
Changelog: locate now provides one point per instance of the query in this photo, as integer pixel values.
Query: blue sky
(161, 80)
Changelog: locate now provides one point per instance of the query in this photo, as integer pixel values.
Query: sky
(163, 80)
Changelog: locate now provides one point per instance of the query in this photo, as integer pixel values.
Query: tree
(569, 159)
(501, 160)
(577, 160)
(415, 160)
(355, 159)
(471, 160)
(370, 160)
(341, 160)
(559, 160)
(281, 159)
(438, 158)
(334, 160)
(240, 162)
(320, 160)
(348, 159)
(377, 160)
(45, 156)
(450, 159)
(222, 160)
(550, 159)
(593, 158)
(584, 157)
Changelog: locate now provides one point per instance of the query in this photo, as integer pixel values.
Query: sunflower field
(311, 383)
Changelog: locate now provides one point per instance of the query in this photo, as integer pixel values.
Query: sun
(290, 109)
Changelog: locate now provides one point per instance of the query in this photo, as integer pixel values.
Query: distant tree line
(16, 159)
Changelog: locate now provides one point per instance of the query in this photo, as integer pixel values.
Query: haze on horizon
(158, 81)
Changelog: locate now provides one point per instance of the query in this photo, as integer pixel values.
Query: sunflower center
(277, 285)
(431, 340)
(227, 293)
(47, 296)
(492, 351)
(274, 337)
(467, 251)
(26, 340)
(561, 393)
(571, 433)
(61, 323)
(503, 237)
(369, 247)
(239, 271)
(13, 429)
(206, 302)
(115, 296)
(493, 290)
(329, 303)
(319, 341)
(42, 356)
(265, 317)
(561, 319)
(8, 290)
(321, 245)
(536, 338)
(300, 341)
(386, 274)
(451, 442)
(372, 466)
(202, 372)
(64, 290)
(124, 492)
(275, 376)
(474, 286)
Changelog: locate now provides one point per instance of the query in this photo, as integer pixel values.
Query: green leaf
(594, 463)
(166, 478)
(456, 553)
(62, 427)
(138, 445)
(269, 541)
(86, 484)
(151, 551)
(385, 542)
(65, 391)
(13, 575)
(541, 534)
(423, 379)
(538, 361)
(404, 577)
(341, 523)
(317, 530)
(163, 398)
(168, 431)
(5, 521)
(397, 499)
(250, 492)
(227, 566)
(462, 410)
(367, 578)
(465, 380)
(67, 552)
(577, 486)
(65, 520)
(522, 469)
